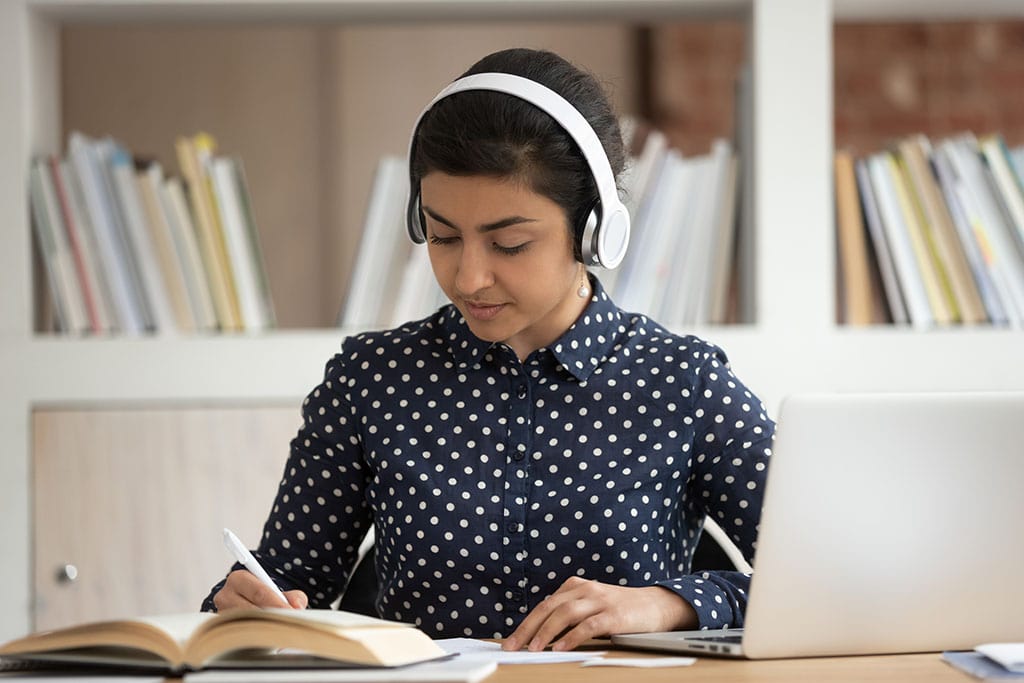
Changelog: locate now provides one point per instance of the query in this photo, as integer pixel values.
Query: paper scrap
(483, 650)
(980, 666)
(1009, 655)
(641, 662)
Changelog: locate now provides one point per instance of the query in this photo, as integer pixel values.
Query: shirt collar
(580, 350)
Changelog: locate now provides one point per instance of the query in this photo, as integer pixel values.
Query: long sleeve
(730, 454)
(311, 538)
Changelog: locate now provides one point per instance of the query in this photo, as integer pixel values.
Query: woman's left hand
(582, 609)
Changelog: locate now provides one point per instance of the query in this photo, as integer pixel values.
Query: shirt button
(518, 455)
(521, 391)
(512, 527)
(515, 596)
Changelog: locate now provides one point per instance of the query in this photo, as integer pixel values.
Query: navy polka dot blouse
(490, 481)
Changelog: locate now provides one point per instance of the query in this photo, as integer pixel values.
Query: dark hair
(494, 134)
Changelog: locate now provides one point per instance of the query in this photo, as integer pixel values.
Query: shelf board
(125, 11)
(275, 366)
(285, 365)
(926, 10)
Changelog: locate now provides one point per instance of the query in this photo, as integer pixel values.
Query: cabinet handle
(67, 573)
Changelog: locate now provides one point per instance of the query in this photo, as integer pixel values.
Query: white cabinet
(129, 504)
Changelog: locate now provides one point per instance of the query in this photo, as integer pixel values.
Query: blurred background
(311, 109)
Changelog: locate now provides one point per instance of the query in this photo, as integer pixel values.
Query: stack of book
(680, 267)
(130, 250)
(681, 262)
(931, 233)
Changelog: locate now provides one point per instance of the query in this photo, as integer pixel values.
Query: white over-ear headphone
(606, 234)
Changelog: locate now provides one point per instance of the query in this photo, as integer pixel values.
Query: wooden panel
(136, 500)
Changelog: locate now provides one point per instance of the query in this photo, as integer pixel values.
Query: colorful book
(854, 272)
(949, 252)
(55, 251)
(932, 275)
(121, 167)
(87, 161)
(989, 225)
(192, 154)
(148, 182)
(81, 248)
(238, 242)
(888, 282)
(883, 172)
(175, 205)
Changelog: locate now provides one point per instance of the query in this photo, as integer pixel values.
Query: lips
(482, 311)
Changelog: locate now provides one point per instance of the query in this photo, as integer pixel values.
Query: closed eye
(511, 251)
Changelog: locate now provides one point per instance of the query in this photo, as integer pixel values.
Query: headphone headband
(606, 234)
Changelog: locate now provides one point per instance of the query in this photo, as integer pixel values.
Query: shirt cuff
(718, 598)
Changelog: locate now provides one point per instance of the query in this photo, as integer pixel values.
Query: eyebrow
(487, 227)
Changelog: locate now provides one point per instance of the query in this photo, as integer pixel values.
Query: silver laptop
(891, 523)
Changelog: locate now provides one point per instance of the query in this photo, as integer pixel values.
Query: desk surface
(877, 669)
(874, 669)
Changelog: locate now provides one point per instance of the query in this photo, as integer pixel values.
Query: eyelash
(507, 251)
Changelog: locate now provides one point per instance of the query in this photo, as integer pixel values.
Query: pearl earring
(584, 291)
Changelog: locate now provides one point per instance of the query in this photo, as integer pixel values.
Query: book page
(324, 617)
(179, 627)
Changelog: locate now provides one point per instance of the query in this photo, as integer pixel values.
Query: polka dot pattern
(490, 481)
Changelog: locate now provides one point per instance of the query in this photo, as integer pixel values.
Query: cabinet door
(129, 504)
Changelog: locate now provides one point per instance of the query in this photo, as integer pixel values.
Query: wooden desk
(869, 669)
(880, 669)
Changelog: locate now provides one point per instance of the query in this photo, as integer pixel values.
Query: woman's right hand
(242, 589)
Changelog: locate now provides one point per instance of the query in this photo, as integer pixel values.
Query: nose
(474, 272)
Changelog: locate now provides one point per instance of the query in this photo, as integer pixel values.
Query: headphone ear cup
(587, 236)
(612, 237)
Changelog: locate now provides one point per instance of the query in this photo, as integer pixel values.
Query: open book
(250, 638)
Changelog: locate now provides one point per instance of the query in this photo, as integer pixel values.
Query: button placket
(517, 483)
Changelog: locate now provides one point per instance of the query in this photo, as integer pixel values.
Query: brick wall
(890, 80)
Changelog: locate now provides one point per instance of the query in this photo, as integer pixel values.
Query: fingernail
(510, 644)
(559, 646)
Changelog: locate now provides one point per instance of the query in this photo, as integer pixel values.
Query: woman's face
(503, 255)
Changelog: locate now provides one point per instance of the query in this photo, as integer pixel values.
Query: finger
(255, 591)
(297, 599)
(565, 617)
(528, 627)
(231, 595)
(594, 626)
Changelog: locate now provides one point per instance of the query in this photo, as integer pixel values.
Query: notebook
(891, 523)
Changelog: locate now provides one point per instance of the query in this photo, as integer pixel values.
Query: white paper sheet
(482, 650)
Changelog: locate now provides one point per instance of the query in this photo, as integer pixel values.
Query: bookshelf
(793, 346)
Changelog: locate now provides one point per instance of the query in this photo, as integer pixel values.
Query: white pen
(242, 554)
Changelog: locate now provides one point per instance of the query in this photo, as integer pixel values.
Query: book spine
(236, 241)
(851, 234)
(83, 269)
(175, 205)
(55, 254)
(897, 237)
(210, 243)
(883, 256)
(139, 233)
(96, 274)
(924, 253)
(948, 183)
(148, 184)
(259, 264)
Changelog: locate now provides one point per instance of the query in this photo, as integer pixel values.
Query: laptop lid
(891, 523)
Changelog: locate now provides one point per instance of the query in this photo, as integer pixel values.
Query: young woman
(537, 464)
